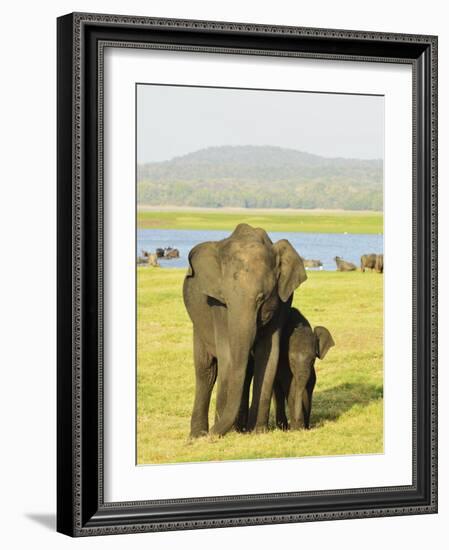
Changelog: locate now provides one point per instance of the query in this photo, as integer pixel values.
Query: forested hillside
(262, 177)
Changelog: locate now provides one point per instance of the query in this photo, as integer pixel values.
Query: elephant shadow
(330, 404)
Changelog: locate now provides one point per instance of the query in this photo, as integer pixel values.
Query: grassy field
(301, 221)
(347, 414)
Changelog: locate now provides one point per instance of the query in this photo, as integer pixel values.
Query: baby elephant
(295, 377)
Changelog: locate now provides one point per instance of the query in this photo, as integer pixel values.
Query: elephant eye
(266, 316)
(266, 313)
(214, 302)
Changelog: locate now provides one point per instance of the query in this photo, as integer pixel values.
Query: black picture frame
(81, 510)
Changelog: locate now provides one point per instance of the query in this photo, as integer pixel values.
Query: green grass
(347, 413)
(306, 222)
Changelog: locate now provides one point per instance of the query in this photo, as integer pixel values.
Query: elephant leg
(242, 418)
(205, 376)
(266, 358)
(279, 396)
(306, 404)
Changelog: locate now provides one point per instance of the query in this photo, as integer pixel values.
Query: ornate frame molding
(81, 42)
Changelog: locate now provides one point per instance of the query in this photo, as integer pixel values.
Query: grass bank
(347, 414)
(297, 221)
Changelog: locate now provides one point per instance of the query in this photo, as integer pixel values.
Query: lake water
(313, 246)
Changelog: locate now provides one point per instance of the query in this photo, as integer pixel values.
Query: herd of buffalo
(375, 262)
(367, 261)
(151, 258)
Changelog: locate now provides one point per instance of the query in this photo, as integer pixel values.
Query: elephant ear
(324, 341)
(204, 264)
(291, 269)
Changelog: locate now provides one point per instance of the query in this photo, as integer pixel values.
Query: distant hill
(261, 177)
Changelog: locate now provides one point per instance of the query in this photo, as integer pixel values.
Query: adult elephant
(237, 292)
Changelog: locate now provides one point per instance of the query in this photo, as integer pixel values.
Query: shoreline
(256, 211)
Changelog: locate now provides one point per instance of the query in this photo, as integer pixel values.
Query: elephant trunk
(241, 332)
(297, 412)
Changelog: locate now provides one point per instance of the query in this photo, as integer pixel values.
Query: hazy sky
(175, 120)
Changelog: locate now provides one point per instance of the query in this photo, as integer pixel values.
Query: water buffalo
(379, 267)
(152, 260)
(368, 261)
(343, 265)
(170, 253)
(312, 263)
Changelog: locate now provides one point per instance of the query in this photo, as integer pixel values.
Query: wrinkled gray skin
(237, 292)
(343, 265)
(295, 377)
(379, 267)
(368, 261)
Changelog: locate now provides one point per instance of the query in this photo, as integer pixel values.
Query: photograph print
(259, 270)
